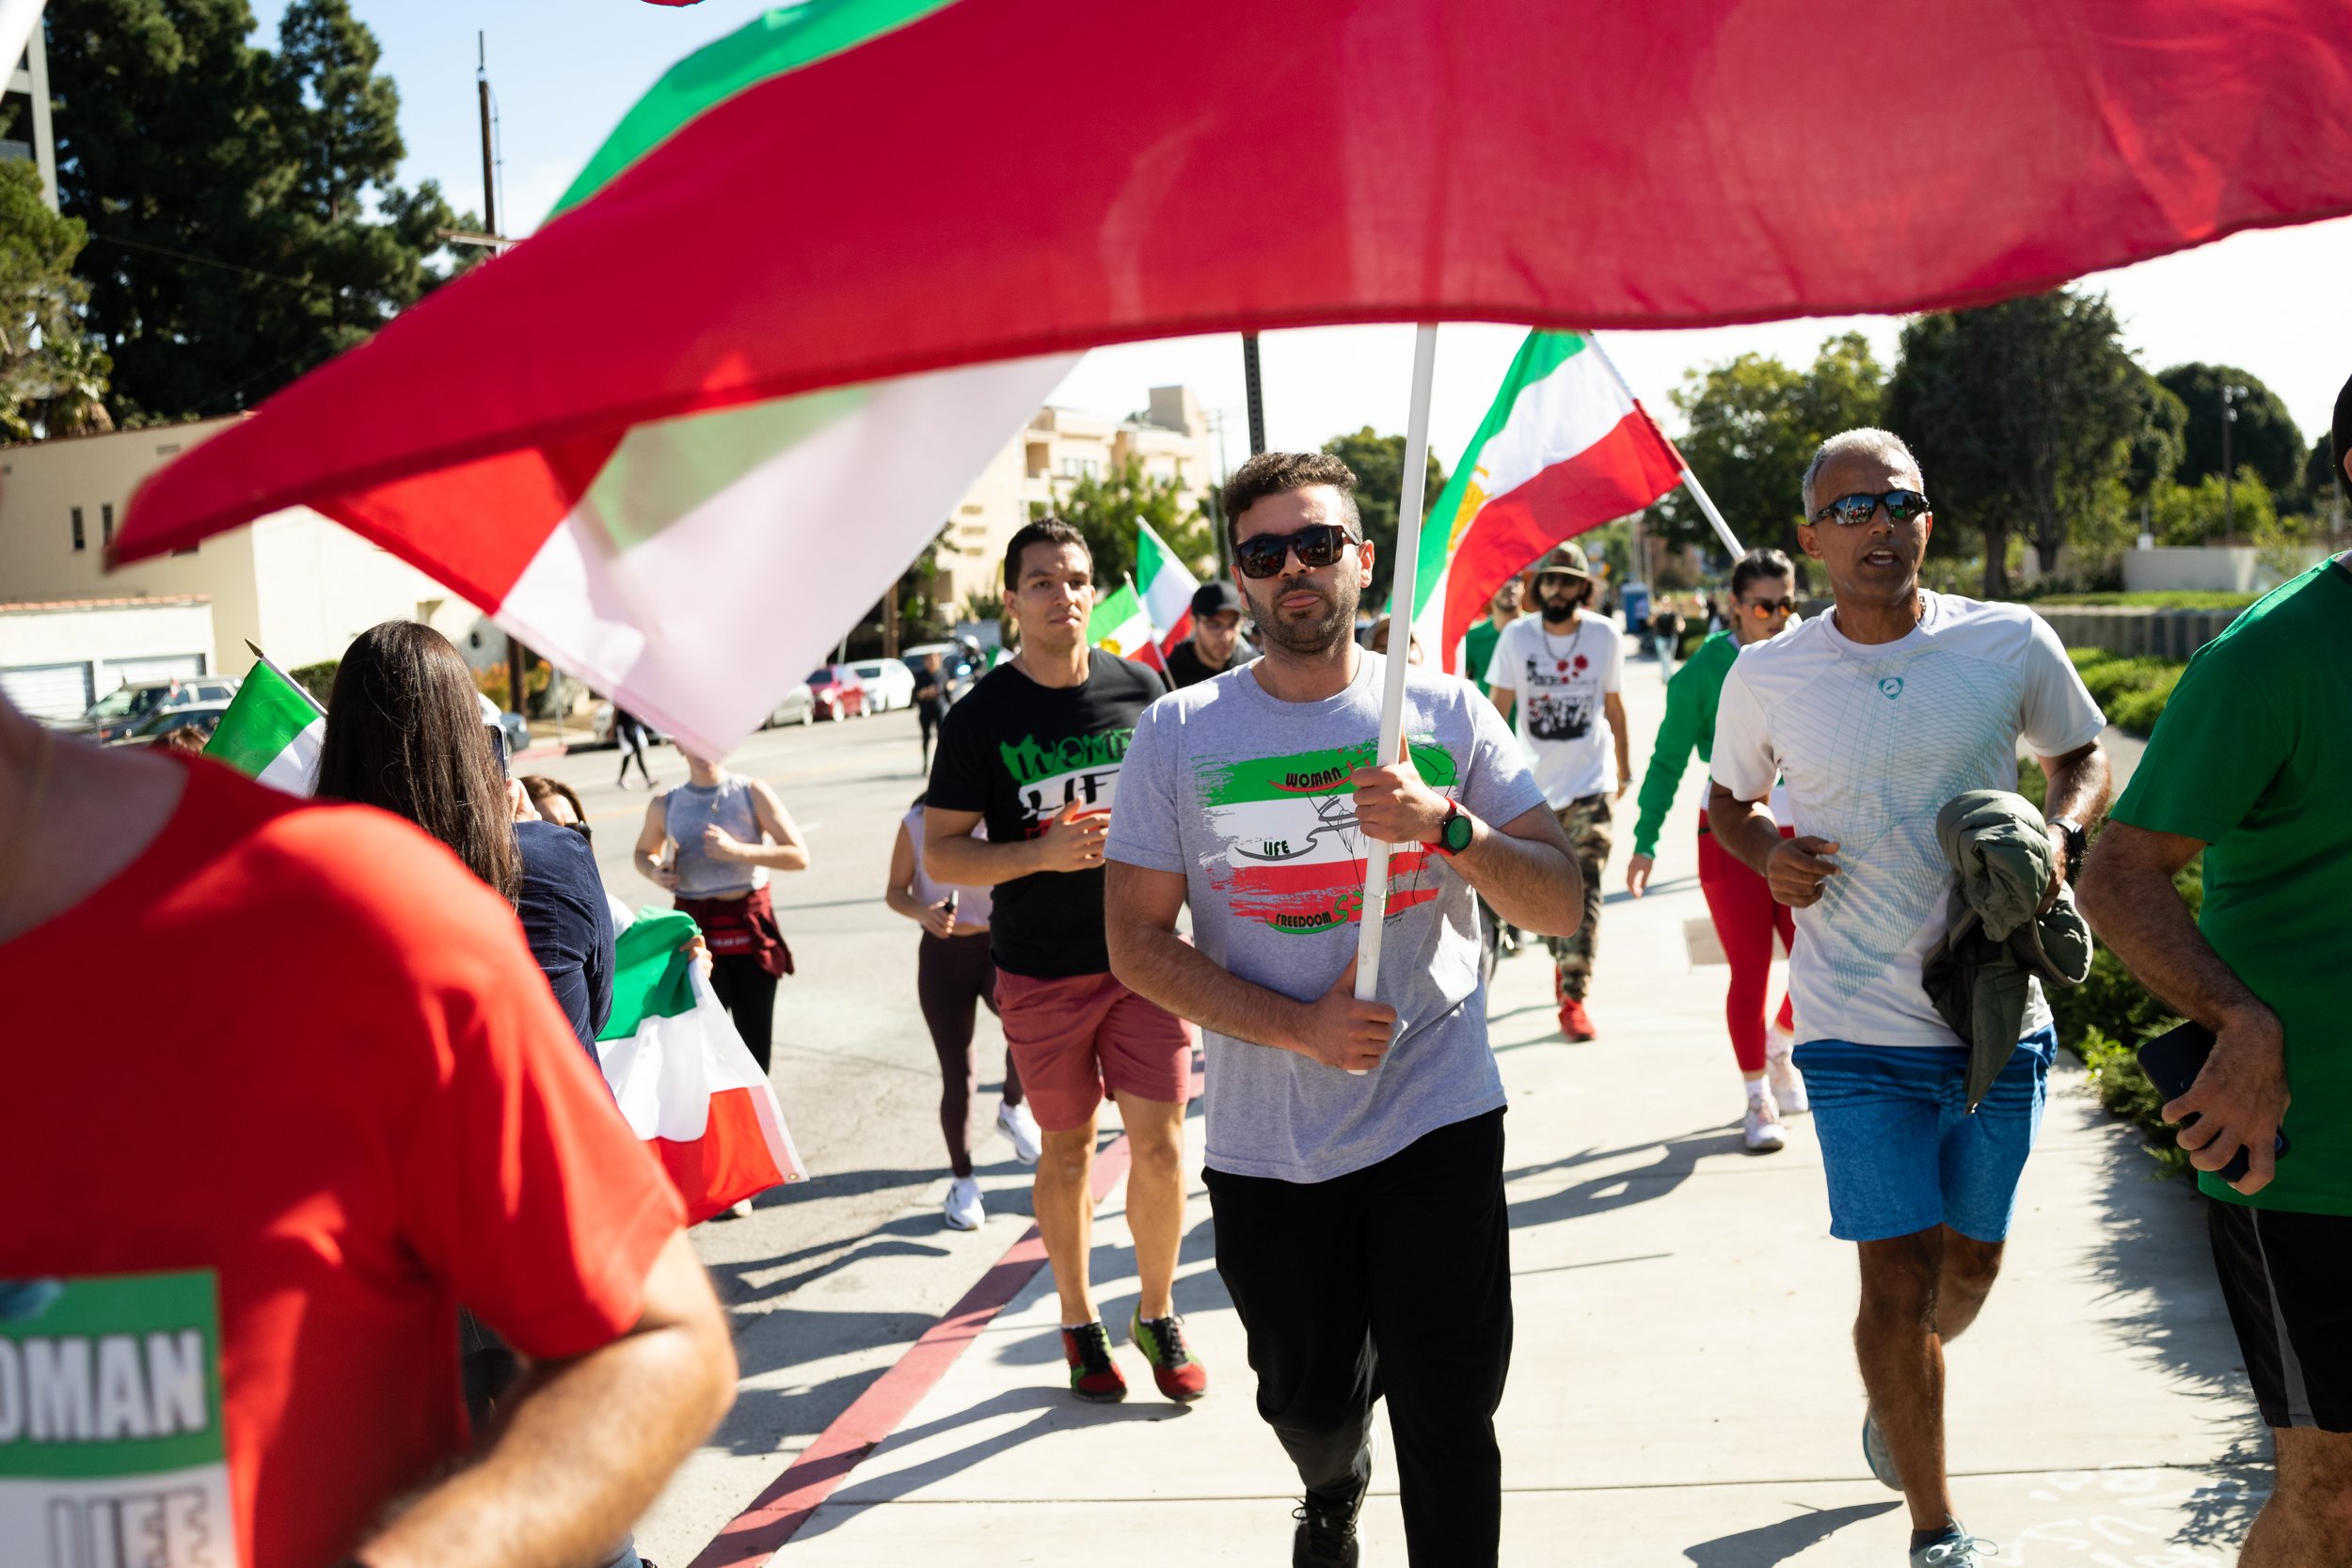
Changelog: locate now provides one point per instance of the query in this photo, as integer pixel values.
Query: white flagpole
(1689, 479)
(1403, 581)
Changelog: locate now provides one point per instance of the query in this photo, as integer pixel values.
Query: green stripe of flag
(269, 717)
(780, 40)
(649, 973)
(1307, 774)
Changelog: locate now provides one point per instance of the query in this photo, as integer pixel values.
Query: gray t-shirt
(1248, 797)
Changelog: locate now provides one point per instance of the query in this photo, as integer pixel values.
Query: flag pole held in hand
(1402, 583)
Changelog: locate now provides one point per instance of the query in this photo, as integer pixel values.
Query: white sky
(2277, 303)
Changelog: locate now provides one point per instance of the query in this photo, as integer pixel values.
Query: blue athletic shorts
(1902, 1151)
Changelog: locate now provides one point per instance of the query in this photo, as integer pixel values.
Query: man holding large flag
(1360, 1222)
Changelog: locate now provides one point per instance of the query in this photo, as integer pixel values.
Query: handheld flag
(1565, 448)
(1120, 625)
(684, 1078)
(1167, 588)
(272, 731)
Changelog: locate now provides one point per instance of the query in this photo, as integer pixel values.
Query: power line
(225, 266)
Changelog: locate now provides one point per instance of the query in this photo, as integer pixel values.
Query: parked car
(795, 706)
(161, 721)
(955, 663)
(838, 693)
(888, 684)
(513, 725)
(122, 711)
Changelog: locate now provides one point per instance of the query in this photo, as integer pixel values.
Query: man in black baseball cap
(1216, 640)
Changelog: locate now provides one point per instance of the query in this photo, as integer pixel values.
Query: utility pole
(2230, 396)
(1257, 397)
(517, 657)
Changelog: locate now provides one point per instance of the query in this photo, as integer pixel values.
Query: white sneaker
(963, 1210)
(1015, 1122)
(1762, 1134)
(1781, 1071)
(742, 1210)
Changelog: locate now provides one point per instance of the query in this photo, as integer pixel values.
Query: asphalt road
(827, 1280)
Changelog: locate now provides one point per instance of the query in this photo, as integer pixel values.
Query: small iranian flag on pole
(1121, 625)
(1166, 589)
(683, 1078)
(272, 731)
(1566, 448)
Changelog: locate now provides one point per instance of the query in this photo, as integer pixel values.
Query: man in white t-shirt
(1561, 670)
(1876, 714)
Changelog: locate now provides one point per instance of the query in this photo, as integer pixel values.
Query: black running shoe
(1325, 1537)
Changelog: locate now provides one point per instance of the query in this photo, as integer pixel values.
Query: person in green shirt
(2248, 764)
(1740, 902)
(1478, 643)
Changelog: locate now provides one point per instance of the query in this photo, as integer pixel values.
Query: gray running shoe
(1876, 1454)
(1958, 1549)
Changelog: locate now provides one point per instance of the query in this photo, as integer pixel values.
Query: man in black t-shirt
(1215, 645)
(1034, 750)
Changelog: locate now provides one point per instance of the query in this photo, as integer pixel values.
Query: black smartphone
(2172, 1061)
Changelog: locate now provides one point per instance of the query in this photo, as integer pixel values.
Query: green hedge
(2131, 692)
(2161, 598)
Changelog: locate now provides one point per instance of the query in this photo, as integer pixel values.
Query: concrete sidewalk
(1682, 1388)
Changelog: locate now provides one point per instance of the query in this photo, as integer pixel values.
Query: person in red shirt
(233, 1250)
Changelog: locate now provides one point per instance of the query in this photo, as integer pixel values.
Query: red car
(836, 692)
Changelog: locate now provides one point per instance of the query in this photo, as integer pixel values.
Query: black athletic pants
(748, 993)
(954, 977)
(1392, 1280)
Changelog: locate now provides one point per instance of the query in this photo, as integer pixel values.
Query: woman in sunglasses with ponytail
(1740, 902)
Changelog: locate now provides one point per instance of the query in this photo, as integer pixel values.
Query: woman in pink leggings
(1745, 915)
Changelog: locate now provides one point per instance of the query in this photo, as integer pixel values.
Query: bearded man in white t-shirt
(1560, 673)
(1877, 715)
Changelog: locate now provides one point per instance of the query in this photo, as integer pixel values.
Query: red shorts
(1076, 1040)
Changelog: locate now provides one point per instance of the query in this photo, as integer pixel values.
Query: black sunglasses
(1855, 510)
(1764, 609)
(582, 829)
(1317, 544)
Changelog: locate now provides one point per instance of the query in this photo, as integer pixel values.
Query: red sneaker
(1179, 1374)
(1094, 1377)
(1573, 1022)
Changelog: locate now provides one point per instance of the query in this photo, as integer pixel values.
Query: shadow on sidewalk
(1677, 1157)
(1055, 1411)
(1767, 1544)
(2154, 1246)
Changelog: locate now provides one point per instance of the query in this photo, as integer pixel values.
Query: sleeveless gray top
(688, 810)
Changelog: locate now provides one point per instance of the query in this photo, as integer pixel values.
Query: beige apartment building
(293, 583)
(1059, 446)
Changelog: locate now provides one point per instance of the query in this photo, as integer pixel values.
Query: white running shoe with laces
(963, 1210)
(1015, 1122)
(1780, 1070)
(1762, 1134)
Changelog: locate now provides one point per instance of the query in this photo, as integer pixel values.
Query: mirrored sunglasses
(1854, 510)
(1764, 609)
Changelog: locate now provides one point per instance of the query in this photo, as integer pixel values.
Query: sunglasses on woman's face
(582, 829)
(1857, 509)
(1764, 609)
(1317, 545)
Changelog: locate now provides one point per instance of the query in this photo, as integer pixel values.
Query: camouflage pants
(1585, 822)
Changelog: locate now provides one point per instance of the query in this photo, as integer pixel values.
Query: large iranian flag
(1566, 448)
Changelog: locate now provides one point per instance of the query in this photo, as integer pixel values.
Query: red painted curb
(757, 1533)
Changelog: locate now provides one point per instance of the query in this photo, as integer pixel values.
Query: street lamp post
(2230, 396)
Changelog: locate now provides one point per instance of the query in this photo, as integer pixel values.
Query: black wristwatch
(2077, 845)
(1454, 833)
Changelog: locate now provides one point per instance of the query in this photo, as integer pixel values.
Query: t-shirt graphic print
(1020, 754)
(1558, 684)
(1294, 858)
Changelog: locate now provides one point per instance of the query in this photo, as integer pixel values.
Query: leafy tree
(2199, 513)
(1754, 423)
(52, 381)
(2322, 481)
(1378, 464)
(2160, 442)
(1106, 509)
(243, 220)
(2263, 438)
(2023, 416)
